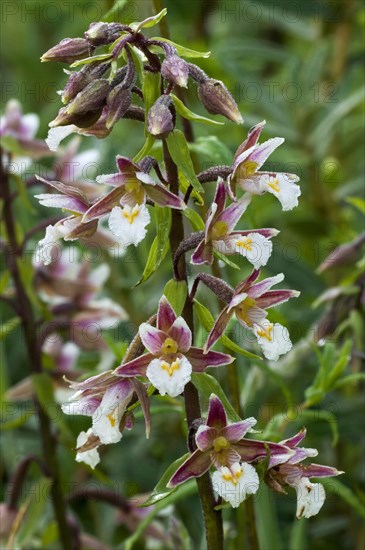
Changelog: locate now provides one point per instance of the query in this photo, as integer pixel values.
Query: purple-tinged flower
(220, 235)
(105, 397)
(22, 128)
(170, 357)
(70, 288)
(224, 446)
(125, 204)
(249, 303)
(310, 496)
(246, 173)
(72, 227)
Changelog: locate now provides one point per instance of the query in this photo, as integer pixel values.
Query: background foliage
(298, 65)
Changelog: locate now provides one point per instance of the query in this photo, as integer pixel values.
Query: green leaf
(8, 327)
(35, 505)
(325, 127)
(179, 152)
(268, 530)
(161, 491)
(151, 92)
(194, 218)
(334, 486)
(10, 143)
(88, 60)
(186, 113)
(163, 226)
(4, 281)
(206, 385)
(213, 149)
(176, 293)
(225, 259)
(111, 15)
(148, 144)
(151, 266)
(23, 194)
(350, 379)
(184, 185)
(182, 51)
(357, 202)
(149, 22)
(138, 61)
(315, 415)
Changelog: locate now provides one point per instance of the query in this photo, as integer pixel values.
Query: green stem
(212, 517)
(28, 321)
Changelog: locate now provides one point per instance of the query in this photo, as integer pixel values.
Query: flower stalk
(212, 517)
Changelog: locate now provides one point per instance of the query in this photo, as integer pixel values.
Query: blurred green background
(299, 66)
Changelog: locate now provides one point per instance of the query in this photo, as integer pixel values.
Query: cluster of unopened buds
(162, 357)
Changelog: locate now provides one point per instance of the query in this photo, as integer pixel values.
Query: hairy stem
(212, 517)
(34, 357)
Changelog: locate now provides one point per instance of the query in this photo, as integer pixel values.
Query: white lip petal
(59, 133)
(310, 498)
(284, 189)
(256, 248)
(128, 224)
(91, 457)
(235, 483)
(169, 378)
(274, 340)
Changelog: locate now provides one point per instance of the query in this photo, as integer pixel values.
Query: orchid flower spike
(170, 357)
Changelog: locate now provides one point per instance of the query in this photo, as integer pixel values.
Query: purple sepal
(203, 254)
(217, 417)
(165, 314)
(195, 466)
(135, 367)
(200, 360)
(152, 338)
(218, 328)
(235, 432)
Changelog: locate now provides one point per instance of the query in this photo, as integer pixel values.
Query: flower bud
(84, 120)
(118, 103)
(161, 117)
(101, 33)
(91, 98)
(218, 101)
(175, 70)
(67, 51)
(79, 80)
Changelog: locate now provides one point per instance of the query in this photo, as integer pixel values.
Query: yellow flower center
(274, 185)
(242, 310)
(132, 185)
(220, 443)
(245, 242)
(170, 368)
(247, 169)
(169, 346)
(132, 214)
(111, 419)
(233, 477)
(266, 333)
(219, 229)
